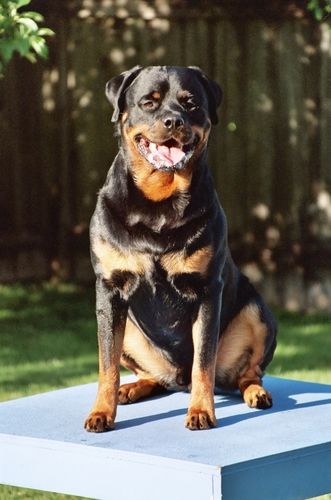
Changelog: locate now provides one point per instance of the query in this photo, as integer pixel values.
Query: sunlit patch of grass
(11, 493)
(304, 347)
(47, 340)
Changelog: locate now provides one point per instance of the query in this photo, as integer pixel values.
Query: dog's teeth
(165, 155)
(151, 158)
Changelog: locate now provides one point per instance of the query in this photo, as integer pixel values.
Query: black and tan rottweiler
(171, 305)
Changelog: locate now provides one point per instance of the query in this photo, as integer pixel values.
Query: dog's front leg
(205, 332)
(111, 312)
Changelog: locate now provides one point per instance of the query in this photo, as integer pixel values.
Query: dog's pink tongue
(173, 155)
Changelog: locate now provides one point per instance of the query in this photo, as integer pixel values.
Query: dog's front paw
(99, 421)
(256, 396)
(199, 419)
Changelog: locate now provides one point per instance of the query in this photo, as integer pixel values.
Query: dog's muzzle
(168, 156)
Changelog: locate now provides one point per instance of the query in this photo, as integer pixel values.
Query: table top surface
(299, 419)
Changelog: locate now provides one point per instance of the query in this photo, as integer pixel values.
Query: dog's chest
(126, 270)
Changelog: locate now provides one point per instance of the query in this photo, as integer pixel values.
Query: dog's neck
(129, 201)
(155, 185)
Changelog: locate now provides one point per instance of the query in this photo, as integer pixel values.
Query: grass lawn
(48, 341)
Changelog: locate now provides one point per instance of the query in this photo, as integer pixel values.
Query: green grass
(48, 341)
(304, 347)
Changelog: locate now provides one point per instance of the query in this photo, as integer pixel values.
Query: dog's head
(165, 113)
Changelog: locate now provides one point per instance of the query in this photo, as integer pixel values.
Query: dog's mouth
(168, 156)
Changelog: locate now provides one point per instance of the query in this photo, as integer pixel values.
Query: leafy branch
(320, 8)
(20, 32)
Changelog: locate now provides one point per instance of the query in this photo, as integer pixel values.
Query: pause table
(281, 453)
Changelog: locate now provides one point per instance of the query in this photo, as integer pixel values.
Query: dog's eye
(189, 104)
(149, 104)
(150, 101)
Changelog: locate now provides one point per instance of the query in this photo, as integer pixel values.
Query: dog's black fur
(161, 257)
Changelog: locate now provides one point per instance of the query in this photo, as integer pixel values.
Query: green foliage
(20, 32)
(320, 8)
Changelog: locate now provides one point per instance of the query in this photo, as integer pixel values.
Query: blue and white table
(282, 453)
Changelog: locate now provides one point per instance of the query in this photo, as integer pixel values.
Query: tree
(20, 32)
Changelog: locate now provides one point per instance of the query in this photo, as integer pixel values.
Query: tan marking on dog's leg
(103, 413)
(240, 354)
(201, 412)
(143, 388)
(111, 325)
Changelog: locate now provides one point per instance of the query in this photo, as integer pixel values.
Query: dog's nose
(173, 122)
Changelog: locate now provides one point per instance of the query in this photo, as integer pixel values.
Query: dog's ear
(116, 87)
(214, 93)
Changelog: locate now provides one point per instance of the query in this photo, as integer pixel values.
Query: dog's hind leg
(240, 356)
(254, 395)
(155, 373)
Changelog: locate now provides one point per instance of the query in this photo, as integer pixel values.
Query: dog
(171, 305)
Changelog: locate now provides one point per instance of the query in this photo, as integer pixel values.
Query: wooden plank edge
(103, 473)
(292, 475)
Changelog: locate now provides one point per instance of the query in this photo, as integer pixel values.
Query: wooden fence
(270, 154)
